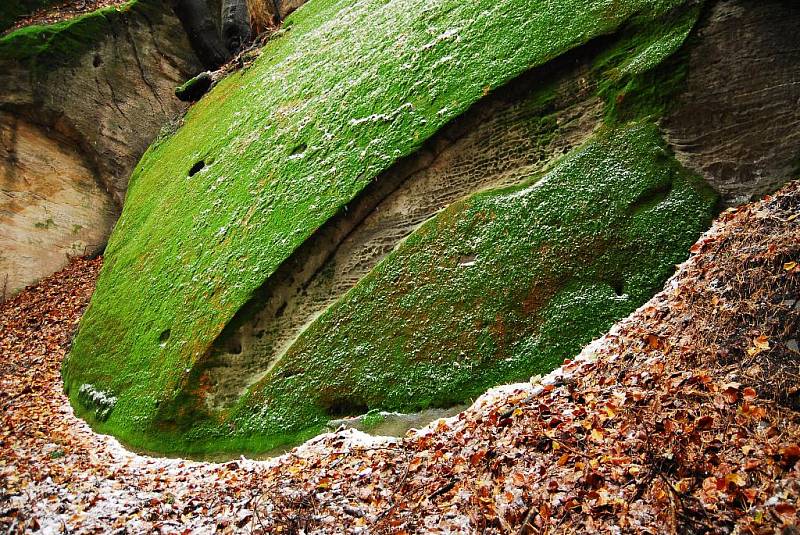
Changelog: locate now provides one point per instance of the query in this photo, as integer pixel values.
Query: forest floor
(62, 11)
(683, 419)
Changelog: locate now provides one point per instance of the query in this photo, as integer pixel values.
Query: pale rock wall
(98, 113)
(738, 121)
(51, 205)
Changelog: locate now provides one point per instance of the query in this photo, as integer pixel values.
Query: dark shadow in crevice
(196, 168)
(345, 406)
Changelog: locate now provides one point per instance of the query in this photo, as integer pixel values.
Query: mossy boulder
(500, 285)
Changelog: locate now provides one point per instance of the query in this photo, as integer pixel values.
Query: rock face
(235, 24)
(277, 10)
(738, 121)
(51, 204)
(287, 7)
(503, 141)
(100, 86)
(498, 287)
(316, 242)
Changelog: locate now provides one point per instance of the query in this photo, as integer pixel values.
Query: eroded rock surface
(319, 259)
(104, 101)
(500, 143)
(738, 121)
(114, 97)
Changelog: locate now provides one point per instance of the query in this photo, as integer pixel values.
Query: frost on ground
(683, 419)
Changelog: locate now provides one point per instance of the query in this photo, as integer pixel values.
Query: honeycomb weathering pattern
(499, 143)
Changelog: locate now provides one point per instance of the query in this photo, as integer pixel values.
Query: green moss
(372, 419)
(640, 74)
(556, 262)
(46, 225)
(43, 47)
(212, 211)
(203, 442)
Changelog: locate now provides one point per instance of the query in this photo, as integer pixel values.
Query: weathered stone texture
(51, 205)
(738, 122)
(112, 100)
(96, 115)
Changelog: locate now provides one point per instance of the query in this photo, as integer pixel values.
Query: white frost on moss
(102, 402)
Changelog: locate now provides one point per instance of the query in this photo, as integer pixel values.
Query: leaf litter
(682, 419)
(60, 11)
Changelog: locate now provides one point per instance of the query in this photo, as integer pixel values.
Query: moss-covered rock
(273, 153)
(500, 286)
(50, 45)
(194, 88)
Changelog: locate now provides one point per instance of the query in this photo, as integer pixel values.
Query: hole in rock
(618, 285)
(299, 149)
(97, 61)
(345, 406)
(290, 373)
(197, 167)
(165, 335)
(467, 260)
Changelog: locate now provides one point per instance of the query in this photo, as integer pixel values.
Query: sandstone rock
(200, 19)
(235, 24)
(100, 86)
(738, 121)
(362, 220)
(272, 155)
(51, 204)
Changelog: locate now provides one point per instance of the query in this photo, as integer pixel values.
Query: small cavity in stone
(196, 168)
